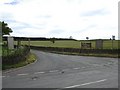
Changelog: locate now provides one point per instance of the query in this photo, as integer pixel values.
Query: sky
(96, 19)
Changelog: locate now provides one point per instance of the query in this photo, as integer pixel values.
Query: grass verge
(30, 59)
(90, 54)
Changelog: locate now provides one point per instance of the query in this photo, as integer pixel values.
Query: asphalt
(63, 72)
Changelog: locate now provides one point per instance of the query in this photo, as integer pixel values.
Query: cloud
(14, 2)
(95, 12)
(61, 18)
(86, 29)
(56, 30)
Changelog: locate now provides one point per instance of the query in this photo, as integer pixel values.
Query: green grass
(30, 59)
(66, 44)
(8, 52)
(107, 44)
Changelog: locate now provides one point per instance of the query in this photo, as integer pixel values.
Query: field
(107, 44)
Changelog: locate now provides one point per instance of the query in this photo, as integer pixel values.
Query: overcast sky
(96, 19)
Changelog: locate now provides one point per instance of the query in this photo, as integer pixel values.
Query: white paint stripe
(22, 74)
(86, 83)
(54, 71)
(39, 72)
(76, 68)
(65, 69)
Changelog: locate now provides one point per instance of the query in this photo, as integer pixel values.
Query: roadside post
(99, 44)
(10, 41)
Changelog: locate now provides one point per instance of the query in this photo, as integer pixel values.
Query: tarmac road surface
(63, 72)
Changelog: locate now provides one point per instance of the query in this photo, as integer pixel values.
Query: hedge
(16, 56)
(77, 50)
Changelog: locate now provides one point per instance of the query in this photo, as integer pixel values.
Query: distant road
(64, 71)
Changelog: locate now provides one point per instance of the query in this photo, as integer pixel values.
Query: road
(63, 72)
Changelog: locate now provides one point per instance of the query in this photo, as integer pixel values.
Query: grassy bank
(30, 59)
(90, 54)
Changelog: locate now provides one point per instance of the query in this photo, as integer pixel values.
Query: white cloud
(77, 18)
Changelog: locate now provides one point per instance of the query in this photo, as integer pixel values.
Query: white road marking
(54, 71)
(86, 84)
(65, 69)
(39, 72)
(76, 68)
(22, 74)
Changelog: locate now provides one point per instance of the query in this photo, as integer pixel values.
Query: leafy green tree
(5, 29)
(52, 40)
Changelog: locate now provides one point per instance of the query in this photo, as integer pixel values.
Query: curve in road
(64, 71)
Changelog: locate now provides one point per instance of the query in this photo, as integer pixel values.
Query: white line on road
(86, 84)
(39, 72)
(76, 68)
(22, 74)
(65, 69)
(54, 71)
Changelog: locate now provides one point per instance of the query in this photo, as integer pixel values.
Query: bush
(14, 56)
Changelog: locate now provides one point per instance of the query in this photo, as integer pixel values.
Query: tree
(87, 38)
(5, 29)
(52, 40)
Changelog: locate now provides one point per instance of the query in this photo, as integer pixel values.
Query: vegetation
(5, 29)
(10, 52)
(12, 58)
(90, 54)
(52, 40)
(16, 58)
(30, 59)
(107, 44)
